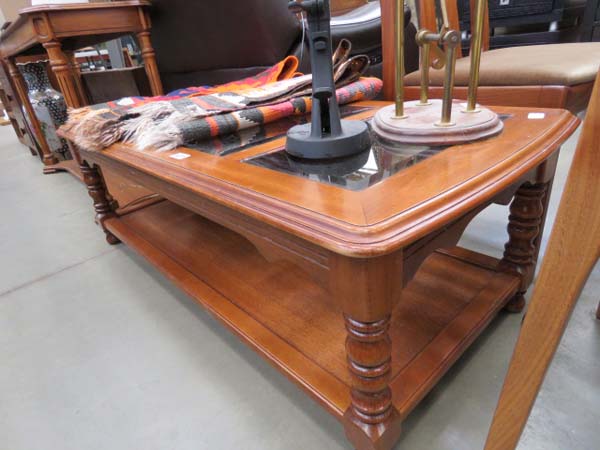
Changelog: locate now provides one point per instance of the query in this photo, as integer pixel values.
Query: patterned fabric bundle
(199, 113)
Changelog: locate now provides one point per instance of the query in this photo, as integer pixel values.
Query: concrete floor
(99, 351)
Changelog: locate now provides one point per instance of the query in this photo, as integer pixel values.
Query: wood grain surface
(572, 252)
(425, 196)
(359, 297)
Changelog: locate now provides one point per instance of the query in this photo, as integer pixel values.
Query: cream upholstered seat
(545, 76)
(551, 64)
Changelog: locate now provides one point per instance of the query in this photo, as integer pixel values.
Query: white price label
(179, 156)
(536, 115)
(127, 101)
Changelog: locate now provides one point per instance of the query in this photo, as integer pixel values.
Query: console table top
(76, 25)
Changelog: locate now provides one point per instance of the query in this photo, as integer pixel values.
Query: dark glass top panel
(355, 173)
(235, 142)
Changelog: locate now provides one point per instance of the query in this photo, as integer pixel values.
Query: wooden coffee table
(345, 276)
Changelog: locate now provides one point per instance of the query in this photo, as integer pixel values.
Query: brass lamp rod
(439, 56)
(425, 39)
(451, 40)
(425, 62)
(445, 20)
(399, 82)
(476, 43)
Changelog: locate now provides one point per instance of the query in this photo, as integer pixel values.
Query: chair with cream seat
(551, 75)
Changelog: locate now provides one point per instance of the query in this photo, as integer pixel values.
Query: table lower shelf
(291, 320)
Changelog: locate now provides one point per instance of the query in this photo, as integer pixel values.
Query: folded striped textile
(198, 113)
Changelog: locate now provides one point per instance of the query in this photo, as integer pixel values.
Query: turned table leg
(76, 72)
(149, 57)
(102, 204)
(61, 66)
(366, 288)
(525, 222)
(48, 157)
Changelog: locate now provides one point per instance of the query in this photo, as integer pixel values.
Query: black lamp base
(353, 139)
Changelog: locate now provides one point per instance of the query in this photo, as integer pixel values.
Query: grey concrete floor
(99, 351)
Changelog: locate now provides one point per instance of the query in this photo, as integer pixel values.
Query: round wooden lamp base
(421, 124)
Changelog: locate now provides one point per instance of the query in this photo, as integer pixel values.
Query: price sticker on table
(179, 156)
(536, 115)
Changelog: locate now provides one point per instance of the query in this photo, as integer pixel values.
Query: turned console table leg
(149, 57)
(366, 288)
(61, 66)
(48, 157)
(102, 204)
(148, 54)
(527, 213)
(76, 72)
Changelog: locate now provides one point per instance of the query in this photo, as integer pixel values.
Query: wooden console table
(59, 30)
(346, 278)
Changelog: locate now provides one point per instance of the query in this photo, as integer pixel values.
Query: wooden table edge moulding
(360, 297)
(59, 30)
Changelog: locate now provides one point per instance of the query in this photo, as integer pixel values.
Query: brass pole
(448, 87)
(452, 40)
(399, 85)
(425, 62)
(476, 43)
(445, 20)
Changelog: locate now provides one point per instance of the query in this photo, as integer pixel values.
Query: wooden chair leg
(543, 327)
(572, 252)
